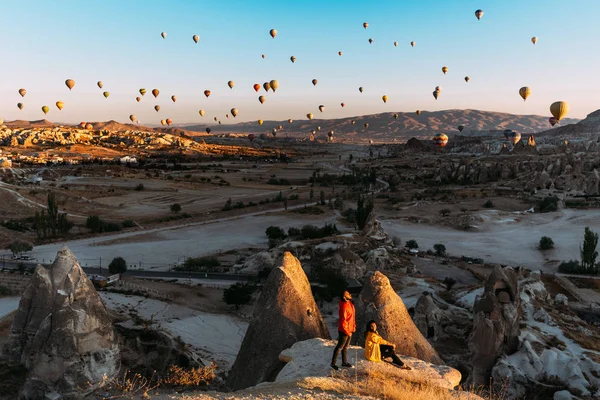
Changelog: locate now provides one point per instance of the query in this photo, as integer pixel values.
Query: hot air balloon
(512, 136)
(290, 121)
(263, 56)
(256, 87)
(370, 40)
(234, 112)
(330, 135)
(384, 98)
(174, 98)
(260, 122)
(360, 89)
(231, 84)
(163, 122)
(155, 92)
(262, 99)
(274, 132)
(195, 38)
(106, 94)
(293, 59)
(201, 112)
(169, 121)
(309, 116)
(412, 44)
(208, 130)
(157, 108)
(100, 84)
(534, 40)
(279, 127)
(440, 139)
(460, 128)
(365, 25)
(343, 105)
(142, 91)
(60, 105)
(164, 35)
(274, 85)
(366, 125)
(418, 112)
(219, 122)
(207, 93)
(552, 121)
(216, 119)
(70, 83)
(395, 44)
(395, 116)
(444, 70)
(20, 106)
(559, 110)
(321, 107)
(45, 109)
(138, 99)
(436, 94)
(467, 79)
(82, 124)
(318, 128)
(251, 137)
(273, 33)
(524, 92)
(266, 86)
(438, 88)
(132, 118)
(22, 92)
(340, 53)
(353, 122)
(314, 82)
(479, 14)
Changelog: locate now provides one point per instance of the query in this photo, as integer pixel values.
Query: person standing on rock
(346, 327)
(377, 347)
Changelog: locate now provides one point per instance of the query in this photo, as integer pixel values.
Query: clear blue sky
(118, 41)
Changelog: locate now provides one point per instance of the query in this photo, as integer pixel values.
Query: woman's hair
(369, 327)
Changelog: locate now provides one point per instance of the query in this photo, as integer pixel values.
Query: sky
(119, 43)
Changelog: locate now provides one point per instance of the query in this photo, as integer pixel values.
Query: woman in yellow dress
(377, 348)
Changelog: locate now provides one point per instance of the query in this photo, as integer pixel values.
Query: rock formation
(380, 303)
(285, 313)
(428, 317)
(496, 318)
(62, 333)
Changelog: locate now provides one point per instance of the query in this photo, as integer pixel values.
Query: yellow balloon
(321, 108)
(22, 92)
(164, 35)
(234, 112)
(274, 85)
(195, 38)
(384, 98)
(230, 84)
(157, 108)
(60, 105)
(290, 121)
(70, 83)
(534, 40)
(262, 99)
(201, 112)
(106, 94)
(273, 33)
(100, 84)
(309, 116)
(174, 98)
(260, 121)
(444, 70)
(45, 109)
(132, 117)
(559, 109)
(524, 92)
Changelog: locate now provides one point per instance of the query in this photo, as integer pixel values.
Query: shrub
(4, 290)
(199, 263)
(275, 232)
(117, 266)
(175, 208)
(549, 204)
(20, 246)
(412, 244)
(546, 243)
(96, 225)
(294, 232)
(440, 250)
(449, 282)
(588, 250)
(239, 294)
(139, 187)
(488, 204)
(128, 223)
(189, 378)
(444, 212)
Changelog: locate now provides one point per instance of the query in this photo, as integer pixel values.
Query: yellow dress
(372, 350)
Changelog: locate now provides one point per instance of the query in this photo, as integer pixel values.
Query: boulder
(349, 264)
(310, 358)
(285, 313)
(62, 333)
(496, 317)
(561, 299)
(428, 317)
(379, 302)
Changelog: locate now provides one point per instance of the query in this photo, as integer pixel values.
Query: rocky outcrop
(306, 359)
(428, 317)
(348, 263)
(496, 317)
(373, 228)
(285, 313)
(379, 302)
(62, 333)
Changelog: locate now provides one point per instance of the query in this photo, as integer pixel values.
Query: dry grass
(193, 377)
(129, 386)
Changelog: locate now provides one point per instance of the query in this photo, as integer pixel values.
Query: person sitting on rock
(346, 326)
(377, 348)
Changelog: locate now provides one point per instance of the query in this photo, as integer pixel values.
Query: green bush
(412, 244)
(440, 250)
(574, 267)
(449, 282)
(199, 264)
(546, 243)
(20, 246)
(488, 204)
(549, 204)
(139, 187)
(117, 266)
(128, 223)
(444, 212)
(175, 208)
(275, 232)
(239, 294)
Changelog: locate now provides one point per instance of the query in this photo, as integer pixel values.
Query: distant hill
(33, 124)
(385, 127)
(588, 125)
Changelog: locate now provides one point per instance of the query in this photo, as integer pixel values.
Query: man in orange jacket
(346, 327)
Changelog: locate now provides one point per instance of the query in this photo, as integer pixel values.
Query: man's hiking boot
(334, 366)
(347, 365)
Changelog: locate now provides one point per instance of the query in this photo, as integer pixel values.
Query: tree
(440, 250)
(51, 222)
(363, 210)
(322, 197)
(311, 195)
(444, 212)
(449, 282)
(488, 204)
(20, 246)
(275, 233)
(175, 208)
(412, 244)
(285, 202)
(239, 294)
(546, 243)
(117, 266)
(588, 250)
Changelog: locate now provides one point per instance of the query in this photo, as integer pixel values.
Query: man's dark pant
(342, 344)
(388, 351)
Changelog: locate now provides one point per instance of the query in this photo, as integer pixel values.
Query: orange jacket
(347, 322)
